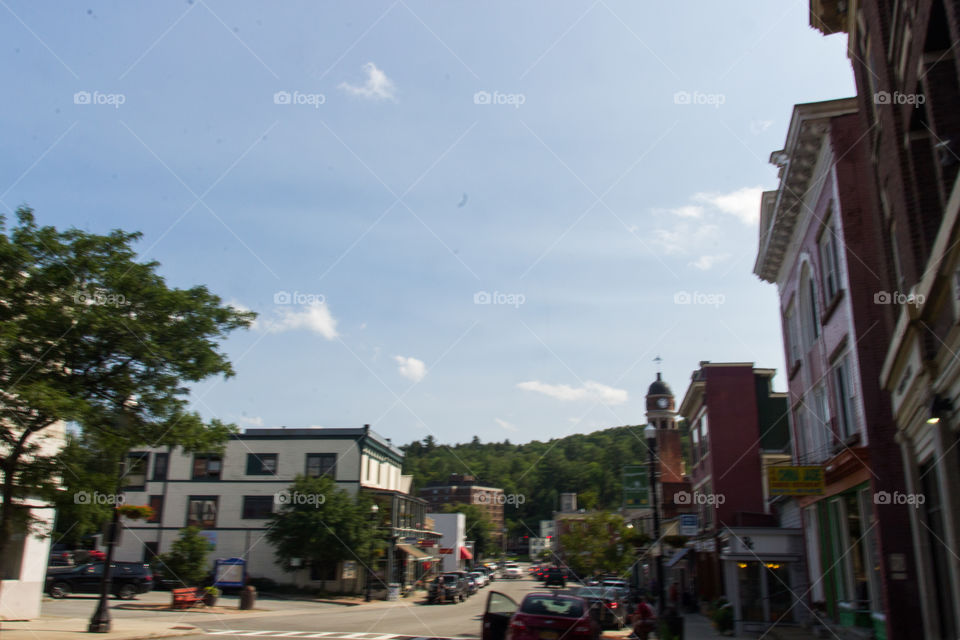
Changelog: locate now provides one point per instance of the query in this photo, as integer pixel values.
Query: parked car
(480, 578)
(128, 579)
(556, 576)
(609, 605)
(472, 586)
(540, 616)
(448, 587)
(512, 571)
(469, 583)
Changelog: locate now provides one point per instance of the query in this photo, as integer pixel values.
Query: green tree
(478, 526)
(91, 336)
(599, 543)
(322, 525)
(81, 471)
(186, 561)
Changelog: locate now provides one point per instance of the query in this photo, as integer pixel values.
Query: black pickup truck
(448, 587)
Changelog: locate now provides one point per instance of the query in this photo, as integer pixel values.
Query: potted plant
(210, 595)
(135, 511)
(722, 616)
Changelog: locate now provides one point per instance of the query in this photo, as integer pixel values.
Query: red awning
(465, 554)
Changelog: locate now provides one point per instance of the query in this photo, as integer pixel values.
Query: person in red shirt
(644, 619)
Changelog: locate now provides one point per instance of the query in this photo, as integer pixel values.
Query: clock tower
(662, 415)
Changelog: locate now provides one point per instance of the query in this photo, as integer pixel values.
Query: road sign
(689, 524)
(795, 481)
(636, 486)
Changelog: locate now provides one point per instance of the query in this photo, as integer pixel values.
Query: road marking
(332, 635)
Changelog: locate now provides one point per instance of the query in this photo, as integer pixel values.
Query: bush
(187, 560)
(722, 615)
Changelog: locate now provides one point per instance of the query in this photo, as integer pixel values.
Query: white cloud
(377, 87)
(682, 236)
(759, 126)
(589, 391)
(705, 263)
(505, 425)
(411, 368)
(313, 317)
(743, 203)
(686, 211)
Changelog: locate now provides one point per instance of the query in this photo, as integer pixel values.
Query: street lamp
(651, 434)
(373, 518)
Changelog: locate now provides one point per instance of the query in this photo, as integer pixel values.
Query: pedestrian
(644, 619)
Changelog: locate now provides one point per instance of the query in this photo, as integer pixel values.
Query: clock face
(662, 403)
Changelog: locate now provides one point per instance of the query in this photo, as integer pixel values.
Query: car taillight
(613, 605)
(517, 624)
(148, 578)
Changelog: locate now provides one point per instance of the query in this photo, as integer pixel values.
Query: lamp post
(651, 433)
(100, 620)
(373, 519)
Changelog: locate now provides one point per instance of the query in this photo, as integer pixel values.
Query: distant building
(738, 426)
(568, 503)
(466, 489)
(451, 548)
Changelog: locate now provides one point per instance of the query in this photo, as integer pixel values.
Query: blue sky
(454, 219)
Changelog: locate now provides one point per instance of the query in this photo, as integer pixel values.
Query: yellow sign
(795, 481)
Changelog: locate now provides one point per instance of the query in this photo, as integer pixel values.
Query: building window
(325, 571)
(160, 462)
(261, 464)
(202, 512)
(321, 464)
(793, 334)
(829, 264)
(150, 550)
(257, 507)
(206, 466)
(135, 473)
(695, 447)
(156, 503)
(846, 425)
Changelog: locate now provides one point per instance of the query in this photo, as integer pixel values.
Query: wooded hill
(591, 465)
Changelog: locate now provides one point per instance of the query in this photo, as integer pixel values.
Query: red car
(541, 616)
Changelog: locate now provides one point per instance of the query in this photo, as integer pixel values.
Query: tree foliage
(599, 543)
(91, 336)
(322, 525)
(186, 562)
(590, 465)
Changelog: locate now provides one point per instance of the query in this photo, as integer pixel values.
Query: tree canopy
(91, 336)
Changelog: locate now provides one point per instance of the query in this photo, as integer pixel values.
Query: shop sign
(795, 481)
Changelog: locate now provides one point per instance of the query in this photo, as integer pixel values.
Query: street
(375, 621)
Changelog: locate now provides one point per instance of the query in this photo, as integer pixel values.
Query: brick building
(738, 425)
(907, 71)
(821, 243)
(466, 489)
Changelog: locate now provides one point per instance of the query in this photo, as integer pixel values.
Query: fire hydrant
(248, 597)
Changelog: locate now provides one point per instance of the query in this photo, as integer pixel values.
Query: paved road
(392, 621)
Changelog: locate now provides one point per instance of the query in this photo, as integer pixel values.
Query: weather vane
(658, 360)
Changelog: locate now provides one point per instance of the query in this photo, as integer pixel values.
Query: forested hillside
(588, 464)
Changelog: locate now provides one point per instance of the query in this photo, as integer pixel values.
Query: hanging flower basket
(135, 511)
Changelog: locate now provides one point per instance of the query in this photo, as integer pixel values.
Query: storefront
(762, 574)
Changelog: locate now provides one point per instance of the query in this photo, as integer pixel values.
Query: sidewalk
(698, 627)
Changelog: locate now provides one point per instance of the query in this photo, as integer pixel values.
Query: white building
(452, 528)
(23, 567)
(232, 494)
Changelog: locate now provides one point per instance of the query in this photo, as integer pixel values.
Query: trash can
(393, 591)
(248, 597)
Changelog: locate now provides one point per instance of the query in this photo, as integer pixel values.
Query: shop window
(751, 591)
(939, 553)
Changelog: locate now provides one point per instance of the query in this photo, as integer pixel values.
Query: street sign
(689, 524)
(636, 486)
(795, 481)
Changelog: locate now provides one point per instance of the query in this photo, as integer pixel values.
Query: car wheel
(59, 590)
(126, 591)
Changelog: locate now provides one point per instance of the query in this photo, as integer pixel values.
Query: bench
(187, 597)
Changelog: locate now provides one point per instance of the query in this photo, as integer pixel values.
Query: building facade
(822, 245)
(466, 489)
(907, 71)
(737, 427)
(230, 495)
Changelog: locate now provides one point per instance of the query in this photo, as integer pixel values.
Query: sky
(453, 218)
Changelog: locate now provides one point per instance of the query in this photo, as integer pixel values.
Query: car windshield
(593, 592)
(550, 606)
(450, 579)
